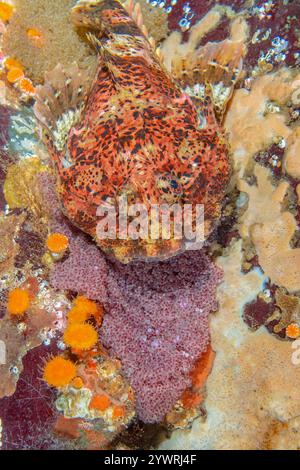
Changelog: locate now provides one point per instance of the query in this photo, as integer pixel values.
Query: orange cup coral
(80, 336)
(34, 33)
(77, 382)
(6, 11)
(77, 316)
(83, 304)
(14, 74)
(18, 301)
(83, 308)
(59, 372)
(11, 63)
(100, 402)
(26, 86)
(57, 242)
(36, 36)
(118, 412)
(293, 331)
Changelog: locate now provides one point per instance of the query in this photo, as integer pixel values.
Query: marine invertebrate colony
(137, 135)
(59, 372)
(157, 324)
(18, 301)
(80, 336)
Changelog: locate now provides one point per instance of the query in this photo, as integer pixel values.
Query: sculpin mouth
(127, 251)
(87, 14)
(87, 5)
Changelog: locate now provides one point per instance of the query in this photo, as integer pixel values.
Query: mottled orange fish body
(139, 135)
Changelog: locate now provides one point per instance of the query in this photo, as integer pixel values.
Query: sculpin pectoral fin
(211, 70)
(58, 106)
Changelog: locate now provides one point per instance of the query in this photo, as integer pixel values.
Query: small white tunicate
(242, 200)
(272, 108)
(267, 292)
(274, 159)
(295, 114)
(183, 22)
(282, 143)
(280, 57)
(279, 44)
(14, 370)
(44, 284)
(190, 15)
(21, 327)
(61, 345)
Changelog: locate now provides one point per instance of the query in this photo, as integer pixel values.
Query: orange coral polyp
(6, 11)
(36, 36)
(57, 242)
(118, 412)
(34, 33)
(27, 86)
(100, 402)
(59, 372)
(85, 305)
(11, 63)
(77, 316)
(77, 382)
(80, 336)
(18, 301)
(293, 331)
(14, 74)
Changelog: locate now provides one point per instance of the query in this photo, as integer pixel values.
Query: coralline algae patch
(28, 416)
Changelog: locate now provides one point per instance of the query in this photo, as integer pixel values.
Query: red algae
(28, 416)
